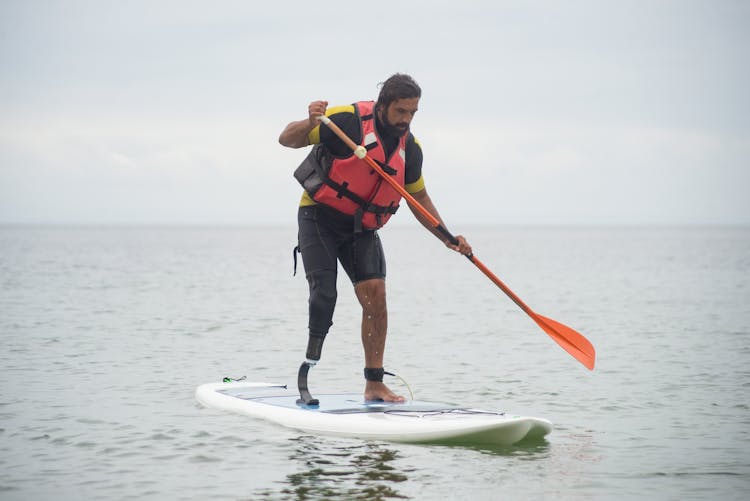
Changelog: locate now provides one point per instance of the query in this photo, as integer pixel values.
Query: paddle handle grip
(447, 234)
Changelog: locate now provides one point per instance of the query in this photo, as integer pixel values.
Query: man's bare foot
(375, 390)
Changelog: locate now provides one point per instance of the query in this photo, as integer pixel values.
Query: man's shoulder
(343, 110)
(412, 142)
(345, 116)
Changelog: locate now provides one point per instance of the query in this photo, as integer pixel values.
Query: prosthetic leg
(322, 302)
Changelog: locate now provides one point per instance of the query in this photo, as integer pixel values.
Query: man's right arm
(295, 135)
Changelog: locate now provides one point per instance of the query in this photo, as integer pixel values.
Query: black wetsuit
(327, 236)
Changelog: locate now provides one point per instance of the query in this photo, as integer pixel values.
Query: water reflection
(335, 471)
(527, 449)
(353, 470)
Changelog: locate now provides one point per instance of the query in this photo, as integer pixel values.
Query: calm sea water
(106, 332)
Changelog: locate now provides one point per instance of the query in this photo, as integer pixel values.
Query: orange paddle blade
(571, 341)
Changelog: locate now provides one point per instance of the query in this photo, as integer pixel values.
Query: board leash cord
(306, 393)
(411, 393)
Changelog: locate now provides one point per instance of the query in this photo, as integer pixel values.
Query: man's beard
(393, 130)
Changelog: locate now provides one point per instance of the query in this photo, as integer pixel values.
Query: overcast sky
(533, 112)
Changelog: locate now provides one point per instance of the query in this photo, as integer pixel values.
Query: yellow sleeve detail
(344, 108)
(416, 186)
(313, 137)
(306, 200)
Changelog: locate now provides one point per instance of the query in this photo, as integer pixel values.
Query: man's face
(399, 114)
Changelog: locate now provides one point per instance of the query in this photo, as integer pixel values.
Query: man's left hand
(463, 246)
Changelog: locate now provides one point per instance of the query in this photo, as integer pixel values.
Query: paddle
(570, 340)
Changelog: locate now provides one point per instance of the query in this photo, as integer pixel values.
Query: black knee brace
(322, 300)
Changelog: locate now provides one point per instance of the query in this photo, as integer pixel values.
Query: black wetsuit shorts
(327, 236)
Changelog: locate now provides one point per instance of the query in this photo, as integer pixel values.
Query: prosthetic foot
(314, 348)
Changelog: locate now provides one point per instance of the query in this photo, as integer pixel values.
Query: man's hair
(398, 86)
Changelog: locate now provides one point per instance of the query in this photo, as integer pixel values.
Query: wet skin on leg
(371, 295)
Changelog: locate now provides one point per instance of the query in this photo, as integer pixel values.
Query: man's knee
(371, 294)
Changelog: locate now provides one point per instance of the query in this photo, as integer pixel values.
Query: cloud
(546, 172)
(170, 111)
(144, 172)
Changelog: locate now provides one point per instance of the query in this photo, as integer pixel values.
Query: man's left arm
(425, 201)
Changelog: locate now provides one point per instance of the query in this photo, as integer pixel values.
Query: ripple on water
(100, 379)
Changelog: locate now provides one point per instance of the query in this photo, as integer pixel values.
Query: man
(344, 204)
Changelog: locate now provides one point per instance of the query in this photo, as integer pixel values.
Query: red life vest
(354, 188)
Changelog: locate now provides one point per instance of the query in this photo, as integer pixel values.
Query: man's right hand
(295, 134)
(316, 109)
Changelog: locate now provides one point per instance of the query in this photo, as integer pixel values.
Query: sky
(533, 112)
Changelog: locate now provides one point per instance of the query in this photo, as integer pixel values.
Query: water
(106, 332)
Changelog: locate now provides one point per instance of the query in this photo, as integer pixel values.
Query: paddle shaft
(435, 222)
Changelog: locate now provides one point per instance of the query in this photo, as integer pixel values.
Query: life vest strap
(343, 191)
(387, 168)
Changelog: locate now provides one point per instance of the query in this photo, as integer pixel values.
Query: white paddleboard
(349, 415)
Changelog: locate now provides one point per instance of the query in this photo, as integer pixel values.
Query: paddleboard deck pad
(349, 415)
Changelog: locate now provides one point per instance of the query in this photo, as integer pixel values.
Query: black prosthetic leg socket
(314, 347)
